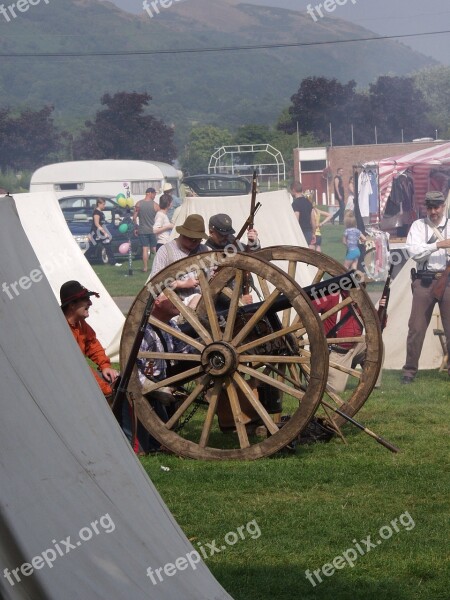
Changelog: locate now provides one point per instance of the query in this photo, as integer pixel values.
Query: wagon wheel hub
(219, 359)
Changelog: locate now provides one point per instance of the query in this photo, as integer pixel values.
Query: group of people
(309, 217)
(428, 243)
(76, 301)
(153, 220)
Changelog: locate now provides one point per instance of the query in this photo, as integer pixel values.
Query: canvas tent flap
(60, 258)
(396, 331)
(275, 220)
(72, 489)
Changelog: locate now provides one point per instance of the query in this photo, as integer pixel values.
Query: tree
(203, 141)
(317, 103)
(396, 105)
(434, 83)
(123, 130)
(29, 139)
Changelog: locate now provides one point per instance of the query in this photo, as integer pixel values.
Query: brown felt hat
(193, 227)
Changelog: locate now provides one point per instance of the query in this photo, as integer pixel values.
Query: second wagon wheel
(361, 380)
(230, 345)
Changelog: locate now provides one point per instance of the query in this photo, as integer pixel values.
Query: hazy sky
(386, 17)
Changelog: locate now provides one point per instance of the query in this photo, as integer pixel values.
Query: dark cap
(150, 191)
(434, 199)
(221, 223)
(72, 291)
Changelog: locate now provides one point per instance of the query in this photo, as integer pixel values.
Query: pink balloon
(123, 248)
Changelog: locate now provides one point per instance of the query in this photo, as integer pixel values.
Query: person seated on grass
(75, 304)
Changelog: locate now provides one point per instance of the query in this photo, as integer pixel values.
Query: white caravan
(104, 177)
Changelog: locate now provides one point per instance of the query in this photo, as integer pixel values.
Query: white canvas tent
(68, 474)
(396, 331)
(60, 259)
(275, 220)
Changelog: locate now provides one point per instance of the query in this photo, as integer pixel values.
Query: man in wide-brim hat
(75, 304)
(188, 243)
(428, 243)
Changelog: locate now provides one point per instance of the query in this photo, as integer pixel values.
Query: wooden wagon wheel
(323, 267)
(229, 353)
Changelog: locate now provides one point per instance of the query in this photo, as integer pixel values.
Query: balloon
(130, 202)
(123, 227)
(120, 196)
(124, 248)
(122, 202)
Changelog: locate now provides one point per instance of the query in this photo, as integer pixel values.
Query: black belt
(338, 349)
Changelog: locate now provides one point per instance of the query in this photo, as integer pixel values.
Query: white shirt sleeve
(416, 244)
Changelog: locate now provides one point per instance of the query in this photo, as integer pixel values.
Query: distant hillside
(223, 88)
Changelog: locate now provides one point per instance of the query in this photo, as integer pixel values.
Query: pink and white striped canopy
(420, 163)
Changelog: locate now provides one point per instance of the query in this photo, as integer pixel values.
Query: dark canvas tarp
(65, 467)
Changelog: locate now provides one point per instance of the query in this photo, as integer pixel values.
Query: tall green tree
(123, 130)
(317, 103)
(391, 104)
(434, 83)
(202, 143)
(397, 105)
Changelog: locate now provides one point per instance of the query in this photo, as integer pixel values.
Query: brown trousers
(423, 303)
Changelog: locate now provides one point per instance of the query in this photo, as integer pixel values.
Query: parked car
(218, 185)
(77, 211)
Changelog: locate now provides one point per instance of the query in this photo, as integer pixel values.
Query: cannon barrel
(333, 285)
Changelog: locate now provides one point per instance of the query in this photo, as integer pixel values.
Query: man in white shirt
(428, 243)
(188, 243)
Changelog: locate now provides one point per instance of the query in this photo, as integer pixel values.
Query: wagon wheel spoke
(189, 315)
(265, 417)
(231, 319)
(209, 305)
(270, 381)
(212, 409)
(264, 287)
(170, 356)
(199, 388)
(176, 333)
(237, 413)
(318, 276)
(257, 316)
(270, 337)
(153, 386)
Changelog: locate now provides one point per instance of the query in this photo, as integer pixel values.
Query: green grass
(311, 505)
(118, 282)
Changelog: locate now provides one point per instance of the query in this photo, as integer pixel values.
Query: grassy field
(324, 500)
